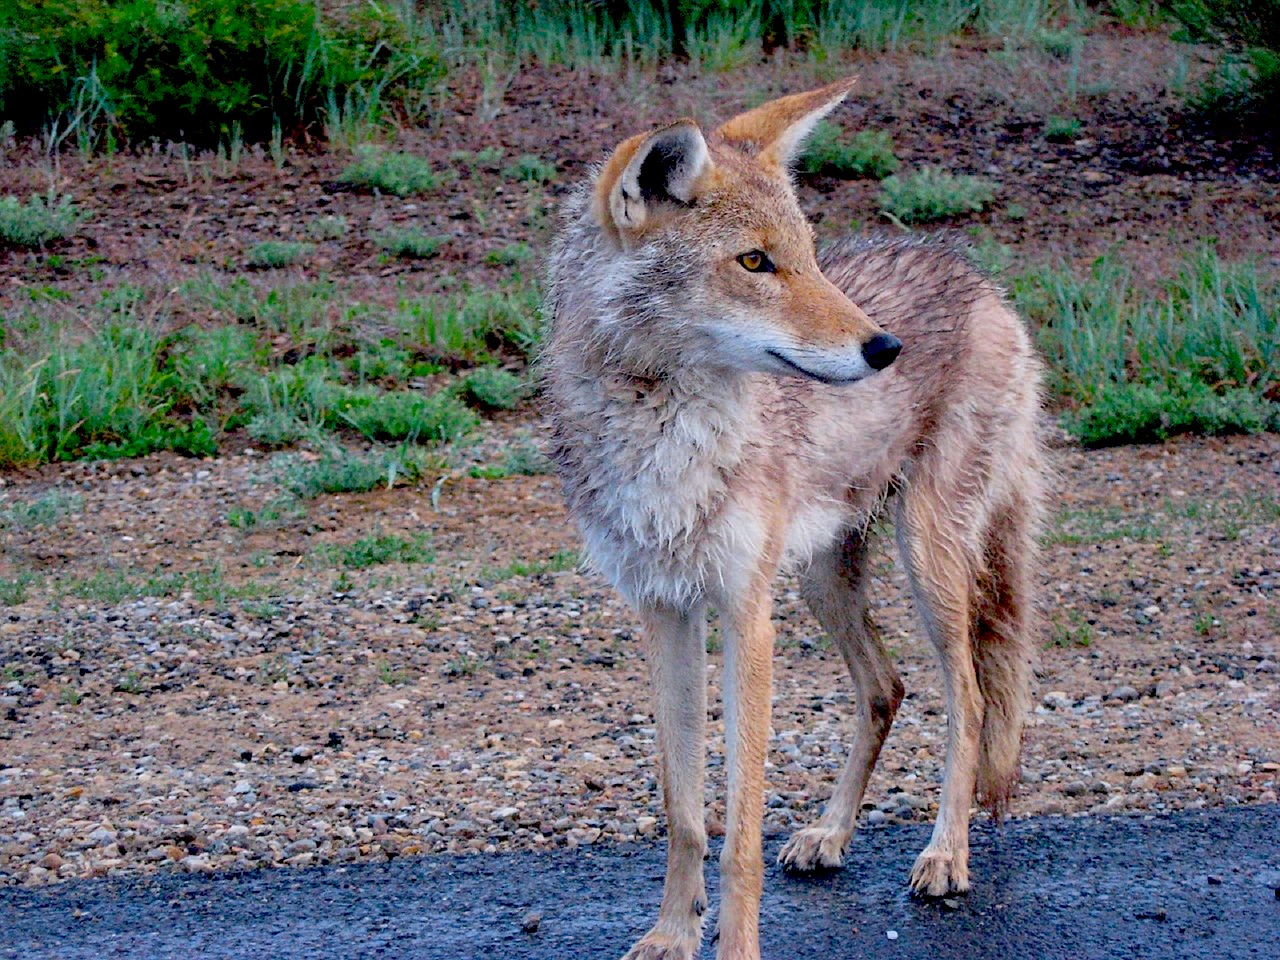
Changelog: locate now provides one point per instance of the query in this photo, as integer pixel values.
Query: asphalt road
(1191, 885)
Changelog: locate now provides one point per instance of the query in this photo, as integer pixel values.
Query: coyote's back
(726, 403)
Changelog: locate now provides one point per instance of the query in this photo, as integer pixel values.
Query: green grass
(932, 194)
(287, 362)
(344, 471)
(327, 227)
(401, 174)
(408, 243)
(522, 458)
(868, 153)
(38, 222)
(117, 586)
(1062, 129)
(44, 510)
(274, 254)
(490, 388)
(377, 550)
(512, 255)
(529, 168)
(14, 590)
(558, 562)
(1074, 631)
(1197, 352)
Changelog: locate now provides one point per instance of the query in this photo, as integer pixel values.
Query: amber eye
(756, 262)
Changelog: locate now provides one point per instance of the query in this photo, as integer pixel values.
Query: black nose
(881, 350)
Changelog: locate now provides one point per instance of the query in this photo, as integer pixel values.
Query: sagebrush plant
(408, 243)
(529, 168)
(868, 153)
(274, 254)
(39, 221)
(931, 194)
(402, 174)
(491, 388)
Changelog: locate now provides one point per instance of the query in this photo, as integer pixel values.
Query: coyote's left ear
(775, 131)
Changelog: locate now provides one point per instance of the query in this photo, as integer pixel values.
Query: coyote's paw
(813, 848)
(665, 945)
(939, 872)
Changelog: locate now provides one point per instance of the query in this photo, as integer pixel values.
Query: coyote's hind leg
(835, 587)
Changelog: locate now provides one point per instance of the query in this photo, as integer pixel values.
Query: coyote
(727, 404)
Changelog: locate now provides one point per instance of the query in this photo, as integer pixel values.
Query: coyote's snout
(710, 382)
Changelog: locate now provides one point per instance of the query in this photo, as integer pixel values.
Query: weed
(130, 682)
(529, 168)
(1062, 129)
(521, 459)
(402, 174)
(463, 665)
(408, 243)
(513, 254)
(868, 154)
(282, 509)
(932, 194)
(13, 590)
(38, 222)
(377, 550)
(392, 677)
(558, 562)
(327, 227)
(1205, 623)
(1063, 44)
(274, 254)
(491, 388)
(1148, 413)
(69, 696)
(342, 471)
(46, 509)
(1076, 631)
(383, 415)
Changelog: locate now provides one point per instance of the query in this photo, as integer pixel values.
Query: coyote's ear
(775, 131)
(653, 168)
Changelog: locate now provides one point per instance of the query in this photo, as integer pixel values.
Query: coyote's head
(708, 240)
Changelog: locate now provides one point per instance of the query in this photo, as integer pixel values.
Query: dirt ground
(283, 707)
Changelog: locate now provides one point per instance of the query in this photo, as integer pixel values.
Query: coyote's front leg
(748, 687)
(678, 667)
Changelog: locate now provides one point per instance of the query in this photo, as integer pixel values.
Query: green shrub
(491, 388)
(1147, 413)
(327, 227)
(932, 193)
(273, 254)
(868, 154)
(38, 222)
(529, 168)
(409, 243)
(513, 254)
(401, 174)
(1063, 44)
(200, 69)
(1062, 129)
(342, 471)
(46, 509)
(1247, 80)
(377, 550)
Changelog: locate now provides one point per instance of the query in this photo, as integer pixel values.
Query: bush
(341, 471)
(399, 173)
(1062, 129)
(383, 415)
(409, 243)
(1247, 81)
(490, 388)
(530, 169)
(273, 254)
(1148, 413)
(932, 193)
(39, 221)
(197, 70)
(869, 154)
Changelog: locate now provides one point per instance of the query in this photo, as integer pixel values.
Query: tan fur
(714, 425)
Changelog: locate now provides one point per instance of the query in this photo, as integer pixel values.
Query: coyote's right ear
(647, 170)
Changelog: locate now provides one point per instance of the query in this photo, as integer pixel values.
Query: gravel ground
(275, 705)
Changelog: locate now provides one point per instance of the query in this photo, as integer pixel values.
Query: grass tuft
(408, 243)
(868, 154)
(402, 174)
(931, 194)
(274, 254)
(38, 222)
